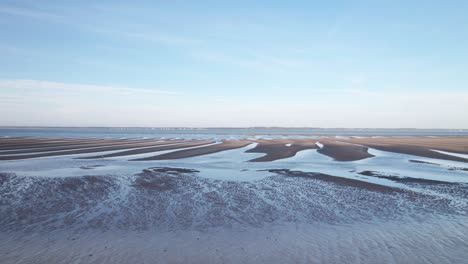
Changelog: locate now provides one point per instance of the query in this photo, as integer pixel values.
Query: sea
(123, 132)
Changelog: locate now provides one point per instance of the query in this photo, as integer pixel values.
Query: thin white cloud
(162, 38)
(27, 12)
(261, 63)
(140, 31)
(35, 102)
(42, 85)
(411, 95)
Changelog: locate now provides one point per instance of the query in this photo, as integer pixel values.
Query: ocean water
(213, 132)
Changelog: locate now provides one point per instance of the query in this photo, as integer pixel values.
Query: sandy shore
(347, 148)
(219, 208)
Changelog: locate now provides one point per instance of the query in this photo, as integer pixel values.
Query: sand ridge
(225, 145)
(340, 148)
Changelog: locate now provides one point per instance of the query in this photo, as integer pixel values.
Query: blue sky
(234, 63)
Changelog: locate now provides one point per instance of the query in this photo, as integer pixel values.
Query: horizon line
(233, 127)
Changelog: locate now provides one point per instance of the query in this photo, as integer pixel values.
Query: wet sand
(401, 179)
(280, 149)
(338, 180)
(225, 145)
(416, 151)
(81, 151)
(69, 210)
(419, 145)
(423, 162)
(346, 148)
(62, 143)
(341, 151)
(78, 146)
(173, 145)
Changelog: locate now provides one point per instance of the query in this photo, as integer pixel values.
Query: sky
(354, 64)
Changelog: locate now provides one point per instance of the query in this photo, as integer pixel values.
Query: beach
(234, 199)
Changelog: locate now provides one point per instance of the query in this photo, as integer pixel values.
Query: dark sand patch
(419, 146)
(431, 163)
(341, 151)
(160, 178)
(175, 145)
(277, 149)
(416, 151)
(402, 179)
(91, 167)
(187, 153)
(170, 170)
(458, 168)
(423, 162)
(337, 180)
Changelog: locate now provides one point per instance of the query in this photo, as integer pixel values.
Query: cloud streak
(12, 85)
(36, 102)
(27, 12)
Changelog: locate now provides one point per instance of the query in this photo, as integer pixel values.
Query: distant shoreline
(233, 128)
